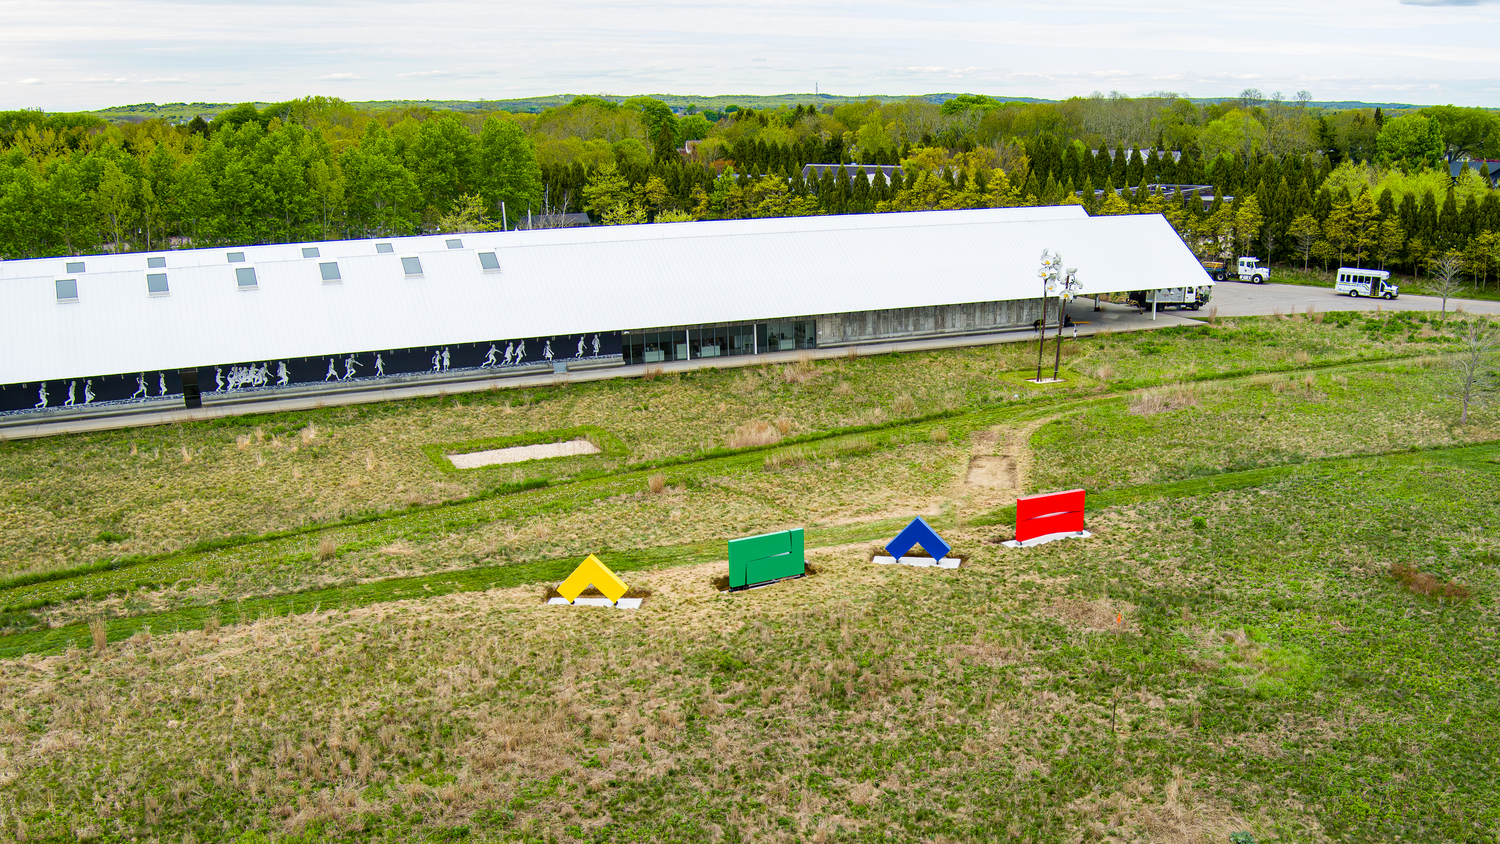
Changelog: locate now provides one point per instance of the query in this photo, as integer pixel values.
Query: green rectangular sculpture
(762, 559)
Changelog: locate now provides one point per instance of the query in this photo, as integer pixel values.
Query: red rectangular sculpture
(1056, 512)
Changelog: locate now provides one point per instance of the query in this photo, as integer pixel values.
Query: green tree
(1305, 232)
(381, 194)
(1411, 141)
(507, 170)
(1466, 132)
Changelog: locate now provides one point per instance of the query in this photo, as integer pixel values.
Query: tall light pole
(1065, 293)
(1048, 273)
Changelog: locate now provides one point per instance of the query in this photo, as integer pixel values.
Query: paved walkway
(1241, 298)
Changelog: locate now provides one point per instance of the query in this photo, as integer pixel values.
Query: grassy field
(1283, 626)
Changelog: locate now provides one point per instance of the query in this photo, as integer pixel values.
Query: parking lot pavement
(1241, 298)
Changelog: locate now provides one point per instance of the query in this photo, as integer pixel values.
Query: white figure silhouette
(580, 347)
(41, 394)
(140, 386)
(547, 350)
(218, 380)
(489, 357)
(263, 375)
(161, 383)
(379, 366)
(445, 360)
(69, 402)
(333, 374)
(509, 350)
(521, 352)
(596, 345)
(350, 364)
(88, 391)
(437, 361)
(282, 376)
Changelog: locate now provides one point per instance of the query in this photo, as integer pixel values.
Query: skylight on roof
(67, 290)
(236, 257)
(384, 247)
(245, 278)
(411, 264)
(330, 271)
(455, 243)
(489, 262)
(311, 252)
(75, 266)
(156, 284)
(156, 263)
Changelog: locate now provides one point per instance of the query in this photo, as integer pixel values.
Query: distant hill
(183, 112)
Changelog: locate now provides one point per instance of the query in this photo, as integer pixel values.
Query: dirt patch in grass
(1422, 583)
(1099, 615)
(992, 472)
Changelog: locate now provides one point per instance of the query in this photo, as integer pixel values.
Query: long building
(116, 331)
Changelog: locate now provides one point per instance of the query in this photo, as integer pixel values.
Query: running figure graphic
(282, 376)
(489, 357)
(140, 386)
(88, 391)
(350, 364)
(333, 374)
(161, 383)
(547, 350)
(69, 402)
(41, 394)
(379, 366)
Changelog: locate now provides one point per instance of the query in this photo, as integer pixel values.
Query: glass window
(75, 266)
(330, 271)
(455, 243)
(384, 247)
(310, 252)
(236, 257)
(489, 262)
(156, 283)
(156, 263)
(412, 265)
(67, 290)
(244, 277)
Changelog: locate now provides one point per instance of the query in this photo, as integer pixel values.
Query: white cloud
(31, 81)
(1351, 49)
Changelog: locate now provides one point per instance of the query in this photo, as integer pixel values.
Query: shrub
(657, 483)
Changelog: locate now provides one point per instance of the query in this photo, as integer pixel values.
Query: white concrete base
(920, 562)
(1044, 380)
(625, 603)
(1045, 538)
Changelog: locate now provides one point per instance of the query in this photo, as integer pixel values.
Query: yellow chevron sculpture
(593, 573)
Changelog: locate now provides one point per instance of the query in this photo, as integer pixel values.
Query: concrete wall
(902, 323)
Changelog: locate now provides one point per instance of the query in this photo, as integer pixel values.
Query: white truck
(1358, 282)
(1191, 298)
(1245, 269)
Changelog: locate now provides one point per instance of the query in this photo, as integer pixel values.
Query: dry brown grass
(1422, 583)
(657, 483)
(654, 372)
(1163, 400)
(1300, 357)
(783, 425)
(800, 372)
(756, 432)
(1213, 315)
(326, 550)
(98, 633)
(938, 435)
(903, 405)
(1104, 373)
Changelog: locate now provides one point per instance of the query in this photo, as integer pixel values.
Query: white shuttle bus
(1357, 283)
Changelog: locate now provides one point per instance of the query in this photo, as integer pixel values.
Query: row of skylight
(245, 278)
(160, 261)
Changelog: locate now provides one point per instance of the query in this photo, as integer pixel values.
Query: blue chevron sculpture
(914, 534)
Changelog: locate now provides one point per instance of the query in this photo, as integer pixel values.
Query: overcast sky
(84, 54)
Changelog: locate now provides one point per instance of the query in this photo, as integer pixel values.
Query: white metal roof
(554, 282)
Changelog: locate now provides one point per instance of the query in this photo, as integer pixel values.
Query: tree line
(1281, 179)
